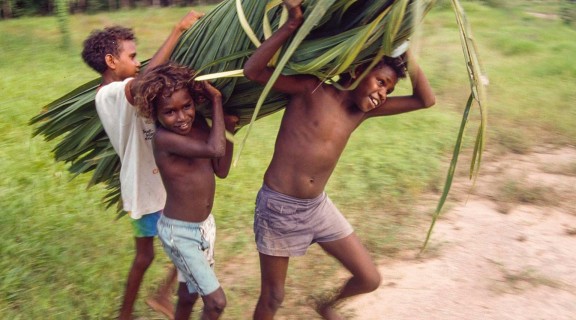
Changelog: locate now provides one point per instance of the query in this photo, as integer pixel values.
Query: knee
(274, 299)
(215, 304)
(143, 259)
(371, 282)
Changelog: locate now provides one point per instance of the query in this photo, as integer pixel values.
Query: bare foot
(327, 312)
(162, 305)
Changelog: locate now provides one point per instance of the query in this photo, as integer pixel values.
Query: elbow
(221, 175)
(219, 152)
(256, 74)
(249, 72)
(429, 102)
(221, 149)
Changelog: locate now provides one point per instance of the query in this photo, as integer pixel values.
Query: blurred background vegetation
(26, 8)
(63, 256)
(10, 9)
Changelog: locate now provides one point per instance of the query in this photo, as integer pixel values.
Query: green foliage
(496, 3)
(513, 140)
(568, 12)
(538, 83)
(218, 43)
(65, 257)
(28, 8)
(64, 22)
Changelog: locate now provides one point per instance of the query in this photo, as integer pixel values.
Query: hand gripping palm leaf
(337, 36)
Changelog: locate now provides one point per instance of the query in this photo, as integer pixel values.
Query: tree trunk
(82, 5)
(63, 16)
(6, 9)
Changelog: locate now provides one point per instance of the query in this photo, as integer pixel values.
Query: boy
(188, 153)
(112, 53)
(292, 209)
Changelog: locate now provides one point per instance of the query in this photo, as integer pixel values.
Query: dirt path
(507, 251)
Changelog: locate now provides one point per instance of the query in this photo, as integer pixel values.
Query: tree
(6, 9)
(63, 16)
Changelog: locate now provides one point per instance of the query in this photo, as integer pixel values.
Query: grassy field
(63, 256)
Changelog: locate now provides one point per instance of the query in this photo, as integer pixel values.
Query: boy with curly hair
(112, 53)
(189, 155)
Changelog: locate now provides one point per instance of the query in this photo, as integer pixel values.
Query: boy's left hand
(231, 120)
(189, 20)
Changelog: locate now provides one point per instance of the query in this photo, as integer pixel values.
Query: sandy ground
(507, 250)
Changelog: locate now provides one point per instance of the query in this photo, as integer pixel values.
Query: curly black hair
(102, 42)
(397, 64)
(160, 83)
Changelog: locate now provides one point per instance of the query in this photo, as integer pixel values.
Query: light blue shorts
(190, 246)
(146, 225)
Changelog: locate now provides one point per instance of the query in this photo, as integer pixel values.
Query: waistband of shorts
(298, 201)
(181, 223)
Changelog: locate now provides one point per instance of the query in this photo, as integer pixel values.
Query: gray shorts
(286, 226)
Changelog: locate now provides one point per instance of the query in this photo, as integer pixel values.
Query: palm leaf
(337, 36)
(477, 94)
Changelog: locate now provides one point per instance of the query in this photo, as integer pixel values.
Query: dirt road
(505, 251)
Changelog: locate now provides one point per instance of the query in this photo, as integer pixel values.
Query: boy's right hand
(289, 4)
(294, 8)
(189, 20)
(210, 91)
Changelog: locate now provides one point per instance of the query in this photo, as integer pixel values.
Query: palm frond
(336, 37)
(478, 94)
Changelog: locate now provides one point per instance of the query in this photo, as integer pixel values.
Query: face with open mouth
(177, 112)
(373, 90)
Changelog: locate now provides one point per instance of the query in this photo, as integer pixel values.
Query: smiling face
(373, 90)
(177, 112)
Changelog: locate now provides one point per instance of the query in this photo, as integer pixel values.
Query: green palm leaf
(477, 94)
(337, 36)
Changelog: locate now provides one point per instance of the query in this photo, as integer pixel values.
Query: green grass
(65, 257)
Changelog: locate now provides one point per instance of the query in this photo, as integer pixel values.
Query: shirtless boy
(292, 209)
(189, 155)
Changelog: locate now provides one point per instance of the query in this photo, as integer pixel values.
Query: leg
(185, 303)
(214, 305)
(356, 259)
(161, 300)
(143, 259)
(273, 278)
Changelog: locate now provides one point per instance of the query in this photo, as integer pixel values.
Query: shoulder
(112, 95)
(164, 139)
(113, 108)
(113, 92)
(301, 84)
(160, 143)
(114, 87)
(159, 136)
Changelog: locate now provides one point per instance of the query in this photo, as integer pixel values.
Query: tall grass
(64, 257)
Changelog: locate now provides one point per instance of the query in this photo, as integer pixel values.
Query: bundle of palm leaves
(336, 36)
